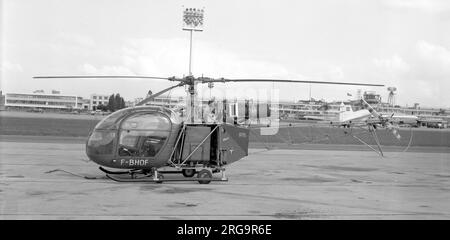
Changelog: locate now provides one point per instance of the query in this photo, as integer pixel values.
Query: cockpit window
(109, 122)
(101, 142)
(147, 121)
(143, 135)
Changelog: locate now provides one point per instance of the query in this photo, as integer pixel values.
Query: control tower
(372, 98)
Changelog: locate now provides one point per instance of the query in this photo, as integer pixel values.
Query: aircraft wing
(405, 117)
(360, 115)
(312, 117)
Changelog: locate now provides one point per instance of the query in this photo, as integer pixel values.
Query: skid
(113, 172)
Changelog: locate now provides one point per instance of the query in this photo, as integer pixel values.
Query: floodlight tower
(192, 21)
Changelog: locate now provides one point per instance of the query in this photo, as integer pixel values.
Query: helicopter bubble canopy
(112, 121)
(126, 126)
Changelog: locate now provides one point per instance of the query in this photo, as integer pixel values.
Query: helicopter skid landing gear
(113, 172)
(134, 175)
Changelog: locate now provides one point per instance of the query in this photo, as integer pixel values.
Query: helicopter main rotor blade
(148, 99)
(206, 80)
(141, 77)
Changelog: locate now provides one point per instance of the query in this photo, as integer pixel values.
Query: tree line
(115, 103)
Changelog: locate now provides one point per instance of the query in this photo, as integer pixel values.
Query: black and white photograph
(224, 110)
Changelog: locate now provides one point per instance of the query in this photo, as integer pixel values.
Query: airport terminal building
(42, 101)
(54, 101)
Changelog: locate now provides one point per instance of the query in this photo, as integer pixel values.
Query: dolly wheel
(204, 174)
(160, 178)
(188, 172)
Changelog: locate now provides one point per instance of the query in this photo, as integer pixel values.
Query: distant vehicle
(435, 125)
(38, 110)
(95, 112)
(407, 125)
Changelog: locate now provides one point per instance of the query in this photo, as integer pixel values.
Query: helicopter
(144, 141)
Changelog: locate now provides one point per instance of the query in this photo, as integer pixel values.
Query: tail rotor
(382, 120)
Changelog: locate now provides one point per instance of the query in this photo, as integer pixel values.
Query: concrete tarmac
(276, 184)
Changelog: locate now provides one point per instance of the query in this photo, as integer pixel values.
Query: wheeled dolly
(204, 176)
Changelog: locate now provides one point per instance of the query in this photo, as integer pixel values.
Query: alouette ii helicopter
(144, 141)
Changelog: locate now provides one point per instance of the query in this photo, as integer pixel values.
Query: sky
(398, 43)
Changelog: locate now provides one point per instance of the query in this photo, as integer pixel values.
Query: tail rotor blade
(370, 108)
(383, 120)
